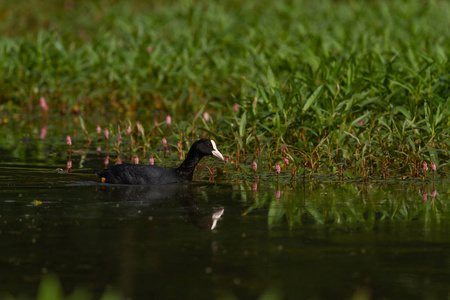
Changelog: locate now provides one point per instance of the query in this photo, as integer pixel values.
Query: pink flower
(278, 194)
(286, 161)
(119, 139)
(236, 107)
(361, 122)
(433, 194)
(179, 145)
(99, 129)
(136, 160)
(282, 149)
(43, 132)
(106, 132)
(140, 128)
(255, 166)
(168, 120)
(99, 149)
(277, 168)
(69, 164)
(226, 158)
(255, 186)
(425, 168)
(44, 105)
(433, 166)
(425, 197)
(106, 162)
(151, 161)
(206, 116)
(119, 161)
(128, 130)
(69, 141)
(164, 141)
(149, 49)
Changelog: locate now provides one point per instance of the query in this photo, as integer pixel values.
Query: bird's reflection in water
(187, 195)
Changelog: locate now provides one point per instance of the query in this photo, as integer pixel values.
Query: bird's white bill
(216, 152)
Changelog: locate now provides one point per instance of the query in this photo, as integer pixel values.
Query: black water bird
(147, 174)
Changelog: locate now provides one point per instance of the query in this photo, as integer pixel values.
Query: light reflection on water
(324, 240)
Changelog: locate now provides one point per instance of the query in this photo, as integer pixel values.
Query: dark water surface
(313, 240)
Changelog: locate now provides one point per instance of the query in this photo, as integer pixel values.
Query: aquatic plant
(369, 103)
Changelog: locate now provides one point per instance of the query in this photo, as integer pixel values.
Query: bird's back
(138, 174)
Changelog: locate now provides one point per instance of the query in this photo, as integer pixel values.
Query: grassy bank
(348, 86)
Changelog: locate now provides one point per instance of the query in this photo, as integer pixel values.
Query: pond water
(227, 239)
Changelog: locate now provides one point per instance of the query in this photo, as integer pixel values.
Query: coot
(147, 174)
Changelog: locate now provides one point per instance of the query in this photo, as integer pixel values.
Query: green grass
(358, 85)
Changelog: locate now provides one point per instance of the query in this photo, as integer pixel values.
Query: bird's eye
(208, 145)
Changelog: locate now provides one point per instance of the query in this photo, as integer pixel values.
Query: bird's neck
(187, 168)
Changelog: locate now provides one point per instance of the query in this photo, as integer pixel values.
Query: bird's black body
(147, 174)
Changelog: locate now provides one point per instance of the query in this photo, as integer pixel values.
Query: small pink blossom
(425, 168)
(282, 149)
(168, 120)
(128, 130)
(140, 128)
(69, 141)
(164, 141)
(119, 139)
(106, 162)
(106, 132)
(425, 197)
(179, 145)
(277, 168)
(255, 186)
(151, 161)
(44, 105)
(43, 132)
(255, 166)
(286, 161)
(119, 161)
(278, 194)
(69, 164)
(99, 129)
(149, 49)
(361, 122)
(136, 160)
(226, 159)
(433, 166)
(206, 116)
(433, 194)
(236, 107)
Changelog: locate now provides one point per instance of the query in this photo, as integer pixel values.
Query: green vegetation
(350, 88)
(50, 289)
